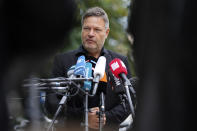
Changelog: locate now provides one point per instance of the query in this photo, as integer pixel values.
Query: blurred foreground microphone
(99, 72)
(80, 66)
(88, 84)
(119, 69)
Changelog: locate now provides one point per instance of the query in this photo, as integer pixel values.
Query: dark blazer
(115, 113)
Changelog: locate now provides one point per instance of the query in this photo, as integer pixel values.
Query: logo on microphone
(114, 66)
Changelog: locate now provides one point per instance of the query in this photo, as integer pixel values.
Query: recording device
(80, 66)
(99, 72)
(88, 84)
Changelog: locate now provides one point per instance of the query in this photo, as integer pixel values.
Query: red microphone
(118, 68)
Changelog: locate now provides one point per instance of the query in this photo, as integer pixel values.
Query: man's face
(94, 34)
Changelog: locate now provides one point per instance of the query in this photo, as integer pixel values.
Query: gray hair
(96, 11)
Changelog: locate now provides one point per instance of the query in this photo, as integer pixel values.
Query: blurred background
(162, 54)
(32, 34)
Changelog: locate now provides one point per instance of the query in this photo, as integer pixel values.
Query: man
(95, 29)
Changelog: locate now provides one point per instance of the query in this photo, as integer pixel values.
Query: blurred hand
(93, 118)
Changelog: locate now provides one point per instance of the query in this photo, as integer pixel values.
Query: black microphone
(117, 87)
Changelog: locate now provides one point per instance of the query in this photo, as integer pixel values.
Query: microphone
(116, 84)
(119, 69)
(88, 84)
(80, 66)
(118, 88)
(102, 85)
(99, 72)
(70, 72)
(53, 84)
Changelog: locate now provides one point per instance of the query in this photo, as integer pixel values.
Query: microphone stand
(62, 102)
(86, 110)
(127, 84)
(102, 110)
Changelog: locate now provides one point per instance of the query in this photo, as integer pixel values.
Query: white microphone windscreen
(100, 67)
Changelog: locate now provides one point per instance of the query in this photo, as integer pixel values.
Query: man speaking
(95, 30)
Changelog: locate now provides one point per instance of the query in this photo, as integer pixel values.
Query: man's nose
(91, 33)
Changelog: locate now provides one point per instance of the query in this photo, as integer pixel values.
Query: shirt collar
(82, 51)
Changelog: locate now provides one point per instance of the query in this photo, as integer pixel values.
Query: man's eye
(97, 30)
(86, 28)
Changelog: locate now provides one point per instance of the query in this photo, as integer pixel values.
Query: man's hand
(93, 118)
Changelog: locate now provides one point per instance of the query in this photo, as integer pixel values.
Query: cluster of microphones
(82, 73)
(89, 80)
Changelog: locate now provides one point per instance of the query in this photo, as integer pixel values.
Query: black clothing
(115, 113)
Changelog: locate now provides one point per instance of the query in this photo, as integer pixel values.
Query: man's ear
(107, 32)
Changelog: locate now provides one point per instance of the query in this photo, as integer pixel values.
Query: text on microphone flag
(115, 66)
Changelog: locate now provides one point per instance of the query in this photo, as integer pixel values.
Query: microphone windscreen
(100, 67)
(117, 67)
(80, 66)
(88, 84)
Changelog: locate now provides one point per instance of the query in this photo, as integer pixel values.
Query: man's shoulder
(115, 54)
(67, 54)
